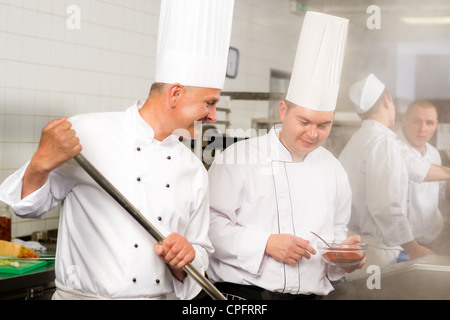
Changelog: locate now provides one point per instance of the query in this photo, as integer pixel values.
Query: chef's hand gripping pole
(207, 286)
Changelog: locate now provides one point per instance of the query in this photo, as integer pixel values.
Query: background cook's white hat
(318, 63)
(366, 92)
(193, 42)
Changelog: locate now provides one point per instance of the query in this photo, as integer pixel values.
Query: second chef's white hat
(366, 92)
(193, 42)
(318, 63)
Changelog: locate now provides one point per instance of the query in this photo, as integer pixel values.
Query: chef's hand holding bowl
(349, 255)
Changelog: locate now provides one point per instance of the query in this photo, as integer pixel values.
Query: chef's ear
(282, 108)
(175, 94)
(386, 101)
(388, 98)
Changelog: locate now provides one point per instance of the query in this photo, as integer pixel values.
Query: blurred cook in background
(379, 173)
(419, 123)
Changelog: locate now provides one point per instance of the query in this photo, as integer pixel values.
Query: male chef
(268, 193)
(379, 173)
(419, 123)
(102, 252)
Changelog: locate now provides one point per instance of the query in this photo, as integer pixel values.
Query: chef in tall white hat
(102, 252)
(191, 60)
(264, 209)
(314, 83)
(193, 42)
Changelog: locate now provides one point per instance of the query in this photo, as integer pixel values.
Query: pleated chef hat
(193, 42)
(366, 92)
(318, 63)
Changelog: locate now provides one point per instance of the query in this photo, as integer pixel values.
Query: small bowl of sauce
(343, 254)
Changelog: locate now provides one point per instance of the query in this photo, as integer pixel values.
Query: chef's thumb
(352, 240)
(158, 249)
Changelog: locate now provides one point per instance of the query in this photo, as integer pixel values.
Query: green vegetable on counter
(9, 263)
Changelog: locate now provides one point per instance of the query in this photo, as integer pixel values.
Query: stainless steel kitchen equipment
(425, 278)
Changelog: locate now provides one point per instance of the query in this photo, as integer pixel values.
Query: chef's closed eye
(324, 126)
(211, 103)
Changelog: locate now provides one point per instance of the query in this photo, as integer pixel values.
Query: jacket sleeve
(196, 232)
(384, 193)
(34, 205)
(236, 245)
(37, 204)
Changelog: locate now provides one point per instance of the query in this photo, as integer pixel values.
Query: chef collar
(278, 150)
(143, 129)
(374, 123)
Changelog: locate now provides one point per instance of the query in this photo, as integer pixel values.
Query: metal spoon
(321, 239)
(329, 246)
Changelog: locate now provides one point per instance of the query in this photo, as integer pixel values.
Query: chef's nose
(312, 131)
(423, 126)
(211, 117)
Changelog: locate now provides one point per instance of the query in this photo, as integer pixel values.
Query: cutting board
(26, 266)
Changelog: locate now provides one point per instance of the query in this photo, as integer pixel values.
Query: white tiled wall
(266, 34)
(48, 70)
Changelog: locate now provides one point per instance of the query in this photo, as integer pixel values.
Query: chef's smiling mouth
(307, 143)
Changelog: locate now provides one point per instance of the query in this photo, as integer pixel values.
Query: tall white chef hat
(365, 93)
(318, 63)
(193, 42)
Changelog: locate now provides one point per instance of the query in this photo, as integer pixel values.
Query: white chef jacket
(423, 198)
(257, 190)
(379, 180)
(102, 251)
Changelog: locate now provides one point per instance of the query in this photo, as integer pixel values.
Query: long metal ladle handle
(209, 288)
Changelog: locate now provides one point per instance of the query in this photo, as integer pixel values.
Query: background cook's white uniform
(379, 180)
(423, 199)
(101, 248)
(257, 190)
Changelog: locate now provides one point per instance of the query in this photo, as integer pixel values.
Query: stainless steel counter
(426, 278)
